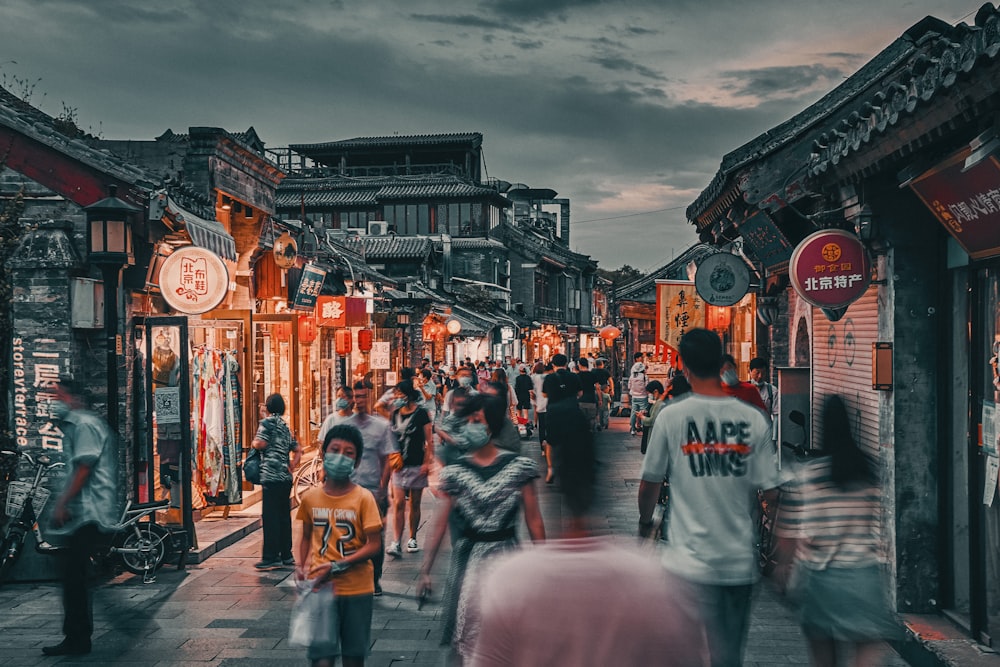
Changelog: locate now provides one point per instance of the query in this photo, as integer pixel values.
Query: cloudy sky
(624, 106)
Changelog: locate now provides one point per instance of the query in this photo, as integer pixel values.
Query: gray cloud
(463, 21)
(537, 9)
(621, 64)
(786, 80)
(528, 45)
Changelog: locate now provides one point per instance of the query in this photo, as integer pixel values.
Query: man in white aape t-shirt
(716, 452)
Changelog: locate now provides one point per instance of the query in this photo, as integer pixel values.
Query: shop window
(454, 220)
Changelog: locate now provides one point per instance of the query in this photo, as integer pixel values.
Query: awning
(208, 234)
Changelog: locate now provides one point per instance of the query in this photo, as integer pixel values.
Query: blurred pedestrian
(655, 390)
(279, 458)
(541, 402)
(638, 396)
(589, 401)
(412, 426)
(381, 457)
(569, 429)
(523, 387)
(488, 488)
(84, 512)
(582, 599)
(508, 437)
(343, 408)
(733, 386)
(715, 452)
(605, 388)
(341, 532)
(832, 514)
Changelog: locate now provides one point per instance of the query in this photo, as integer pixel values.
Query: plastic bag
(314, 623)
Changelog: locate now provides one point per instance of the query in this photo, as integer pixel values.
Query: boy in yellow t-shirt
(341, 531)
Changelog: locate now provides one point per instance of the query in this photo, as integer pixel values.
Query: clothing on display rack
(216, 409)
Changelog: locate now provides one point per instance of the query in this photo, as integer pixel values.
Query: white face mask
(730, 377)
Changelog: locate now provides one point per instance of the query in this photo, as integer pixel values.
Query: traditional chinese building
(886, 191)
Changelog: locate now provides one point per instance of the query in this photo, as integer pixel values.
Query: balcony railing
(549, 313)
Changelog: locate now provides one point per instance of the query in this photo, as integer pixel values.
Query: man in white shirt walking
(716, 452)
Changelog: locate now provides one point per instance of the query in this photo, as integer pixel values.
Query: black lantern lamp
(109, 245)
(864, 224)
(109, 230)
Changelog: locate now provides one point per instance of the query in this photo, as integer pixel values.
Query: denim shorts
(354, 616)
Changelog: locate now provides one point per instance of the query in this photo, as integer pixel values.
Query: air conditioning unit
(378, 228)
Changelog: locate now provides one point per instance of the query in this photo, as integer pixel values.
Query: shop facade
(889, 160)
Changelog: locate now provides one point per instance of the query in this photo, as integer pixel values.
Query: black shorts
(524, 404)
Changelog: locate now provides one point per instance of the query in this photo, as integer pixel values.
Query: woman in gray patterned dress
(486, 489)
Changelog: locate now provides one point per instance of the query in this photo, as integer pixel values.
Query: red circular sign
(830, 269)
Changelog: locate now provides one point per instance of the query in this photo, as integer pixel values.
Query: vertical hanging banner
(678, 309)
(309, 286)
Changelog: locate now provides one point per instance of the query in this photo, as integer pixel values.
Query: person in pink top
(582, 599)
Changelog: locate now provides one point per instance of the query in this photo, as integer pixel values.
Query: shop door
(984, 457)
(276, 370)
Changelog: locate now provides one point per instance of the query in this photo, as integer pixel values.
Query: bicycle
(141, 546)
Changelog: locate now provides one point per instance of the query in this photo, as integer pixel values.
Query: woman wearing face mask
(341, 558)
(732, 385)
(486, 488)
(412, 426)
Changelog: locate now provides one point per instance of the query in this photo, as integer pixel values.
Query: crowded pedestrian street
(223, 612)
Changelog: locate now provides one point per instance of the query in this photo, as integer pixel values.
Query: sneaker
(378, 590)
(412, 546)
(265, 565)
(288, 562)
(631, 432)
(394, 550)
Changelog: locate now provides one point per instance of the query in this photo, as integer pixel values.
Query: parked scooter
(141, 546)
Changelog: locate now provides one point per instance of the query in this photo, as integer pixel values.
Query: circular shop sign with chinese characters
(193, 280)
(830, 269)
(722, 279)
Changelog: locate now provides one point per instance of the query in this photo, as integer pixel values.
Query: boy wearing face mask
(732, 385)
(341, 532)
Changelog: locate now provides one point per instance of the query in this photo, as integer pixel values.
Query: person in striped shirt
(830, 518)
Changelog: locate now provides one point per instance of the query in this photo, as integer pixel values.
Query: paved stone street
(222, 612)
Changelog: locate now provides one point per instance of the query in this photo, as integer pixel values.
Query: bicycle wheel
(12, 547)
(143, 548)
(307, 476)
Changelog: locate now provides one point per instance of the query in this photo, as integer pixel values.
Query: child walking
(341, 531)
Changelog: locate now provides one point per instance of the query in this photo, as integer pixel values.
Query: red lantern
(307, 329)
(342, 340)
(718, 318)
(365, 337)
(610, 333)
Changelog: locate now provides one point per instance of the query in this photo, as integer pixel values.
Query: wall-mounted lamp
(767, 310)
(882, 366)
(864, 223)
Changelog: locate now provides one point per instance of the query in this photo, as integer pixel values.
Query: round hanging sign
(285, 250)
(193, 280)
(830, 269)
(722, 279)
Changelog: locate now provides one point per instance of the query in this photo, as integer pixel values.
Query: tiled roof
(391, 247)
(436, 190)
(473, 243)
(25, 119)
(475, 138)
(520, 238)
(367, 191)
(292, 198)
